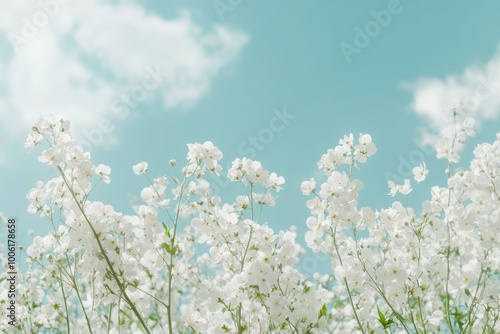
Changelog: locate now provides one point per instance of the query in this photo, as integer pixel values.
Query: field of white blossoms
(191, 262)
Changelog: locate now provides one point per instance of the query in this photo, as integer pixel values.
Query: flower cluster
(453, 138)
(346, 153)
(400, 271)
(204, 155)
(187, 261)
(101, 270)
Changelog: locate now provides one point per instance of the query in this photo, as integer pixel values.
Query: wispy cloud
(476, 91)
(76, 58)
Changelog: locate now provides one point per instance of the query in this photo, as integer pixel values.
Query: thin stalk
(421, 314)
(81, 304)
(172, 253)
(105, 255)
(65, 303)
(109, 317)
(346, 283)
(448, 272)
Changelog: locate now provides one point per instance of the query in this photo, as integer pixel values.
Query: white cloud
(477, 90)
(88, 53)
(45, 80)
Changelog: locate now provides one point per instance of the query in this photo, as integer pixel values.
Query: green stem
(105, 255)
(334, 232)
(109, 317)
(421, 314)
(448, 271)
(172, 253)
(65, 302)
(81, 304)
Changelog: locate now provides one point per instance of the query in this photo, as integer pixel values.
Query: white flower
(468, 126)
(308, 187)
(242, 202)
(365, 148)
(436, 318)
(347, 142)
(404, 189)
(103, 171)
(150, 260)
(393, 188)
(339, 273)
(140, 168)
(275, 181)
(33, 140)
(52, 156)
(235, 173)
(206, 153)
(420, 172)
(264, 199)
(147, 194)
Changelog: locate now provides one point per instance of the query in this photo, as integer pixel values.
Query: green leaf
(322, 312)
(381, 317)
(169, 250)
(165, 228)
(166, 247)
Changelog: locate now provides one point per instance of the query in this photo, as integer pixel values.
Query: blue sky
(227, 71)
